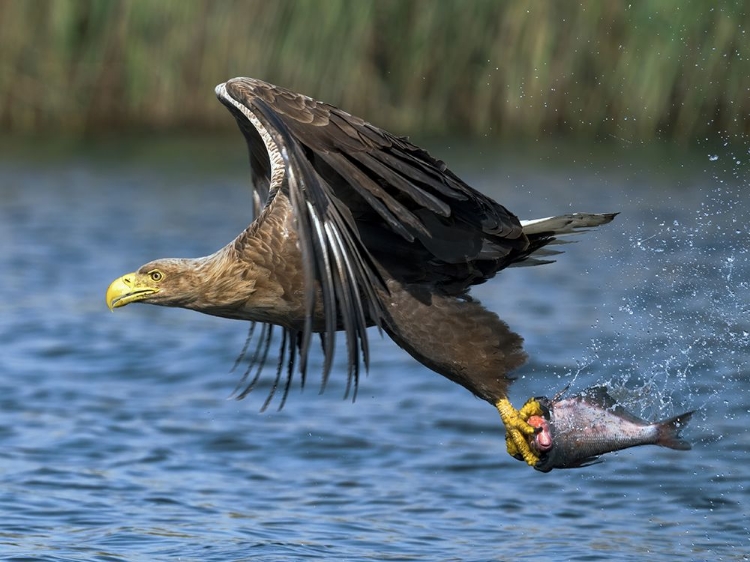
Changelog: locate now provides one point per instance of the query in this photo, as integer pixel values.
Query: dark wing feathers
(406, 169)
(421, 197)
(396, 214)
(333, 252)
(336, 170)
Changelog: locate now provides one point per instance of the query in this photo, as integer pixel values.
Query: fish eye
(156, 275)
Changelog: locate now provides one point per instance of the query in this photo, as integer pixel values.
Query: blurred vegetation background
(633, 70)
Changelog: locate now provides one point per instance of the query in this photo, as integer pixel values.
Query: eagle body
(355, 227)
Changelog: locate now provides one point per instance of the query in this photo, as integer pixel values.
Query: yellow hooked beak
(128, 288)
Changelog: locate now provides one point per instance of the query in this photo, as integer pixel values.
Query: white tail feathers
(546, 231)
(565, 224)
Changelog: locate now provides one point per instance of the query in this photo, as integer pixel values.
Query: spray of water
(682, 331)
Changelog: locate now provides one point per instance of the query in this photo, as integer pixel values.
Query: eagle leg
(517, 428)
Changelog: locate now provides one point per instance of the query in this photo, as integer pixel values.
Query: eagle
(354, 227)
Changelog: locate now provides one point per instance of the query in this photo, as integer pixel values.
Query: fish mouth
(541, 441)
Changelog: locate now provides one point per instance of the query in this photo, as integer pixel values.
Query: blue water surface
(118, 440)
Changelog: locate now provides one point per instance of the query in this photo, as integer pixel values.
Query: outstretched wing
(383, 179)
(333, 259)
(367, 204)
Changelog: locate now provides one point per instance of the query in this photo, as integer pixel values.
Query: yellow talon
(517, 429)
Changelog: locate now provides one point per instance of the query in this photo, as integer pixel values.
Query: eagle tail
(543, 233)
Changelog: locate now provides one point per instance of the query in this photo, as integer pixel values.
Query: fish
(574, 432)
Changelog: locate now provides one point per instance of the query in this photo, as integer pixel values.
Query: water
(119, 442)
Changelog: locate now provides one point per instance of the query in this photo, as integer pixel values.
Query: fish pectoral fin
(518, 429)
(590, 461)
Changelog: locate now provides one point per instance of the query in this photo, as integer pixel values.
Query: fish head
(551, 447)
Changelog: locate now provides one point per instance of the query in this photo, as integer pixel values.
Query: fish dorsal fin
(599, 396)
(560, 393)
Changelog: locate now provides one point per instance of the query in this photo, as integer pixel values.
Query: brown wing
(334, 262)
(386, 180)
(367, 205)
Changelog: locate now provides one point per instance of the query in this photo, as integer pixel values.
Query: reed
(635, 70)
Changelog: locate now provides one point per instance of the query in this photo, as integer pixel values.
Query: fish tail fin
(668, 432)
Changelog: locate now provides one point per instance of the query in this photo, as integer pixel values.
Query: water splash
(682, 329)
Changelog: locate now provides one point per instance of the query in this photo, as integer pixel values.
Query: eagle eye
(156, 275)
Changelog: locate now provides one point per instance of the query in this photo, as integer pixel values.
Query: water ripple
(119, 442)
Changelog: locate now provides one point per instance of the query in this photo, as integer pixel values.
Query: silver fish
(574, 431)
